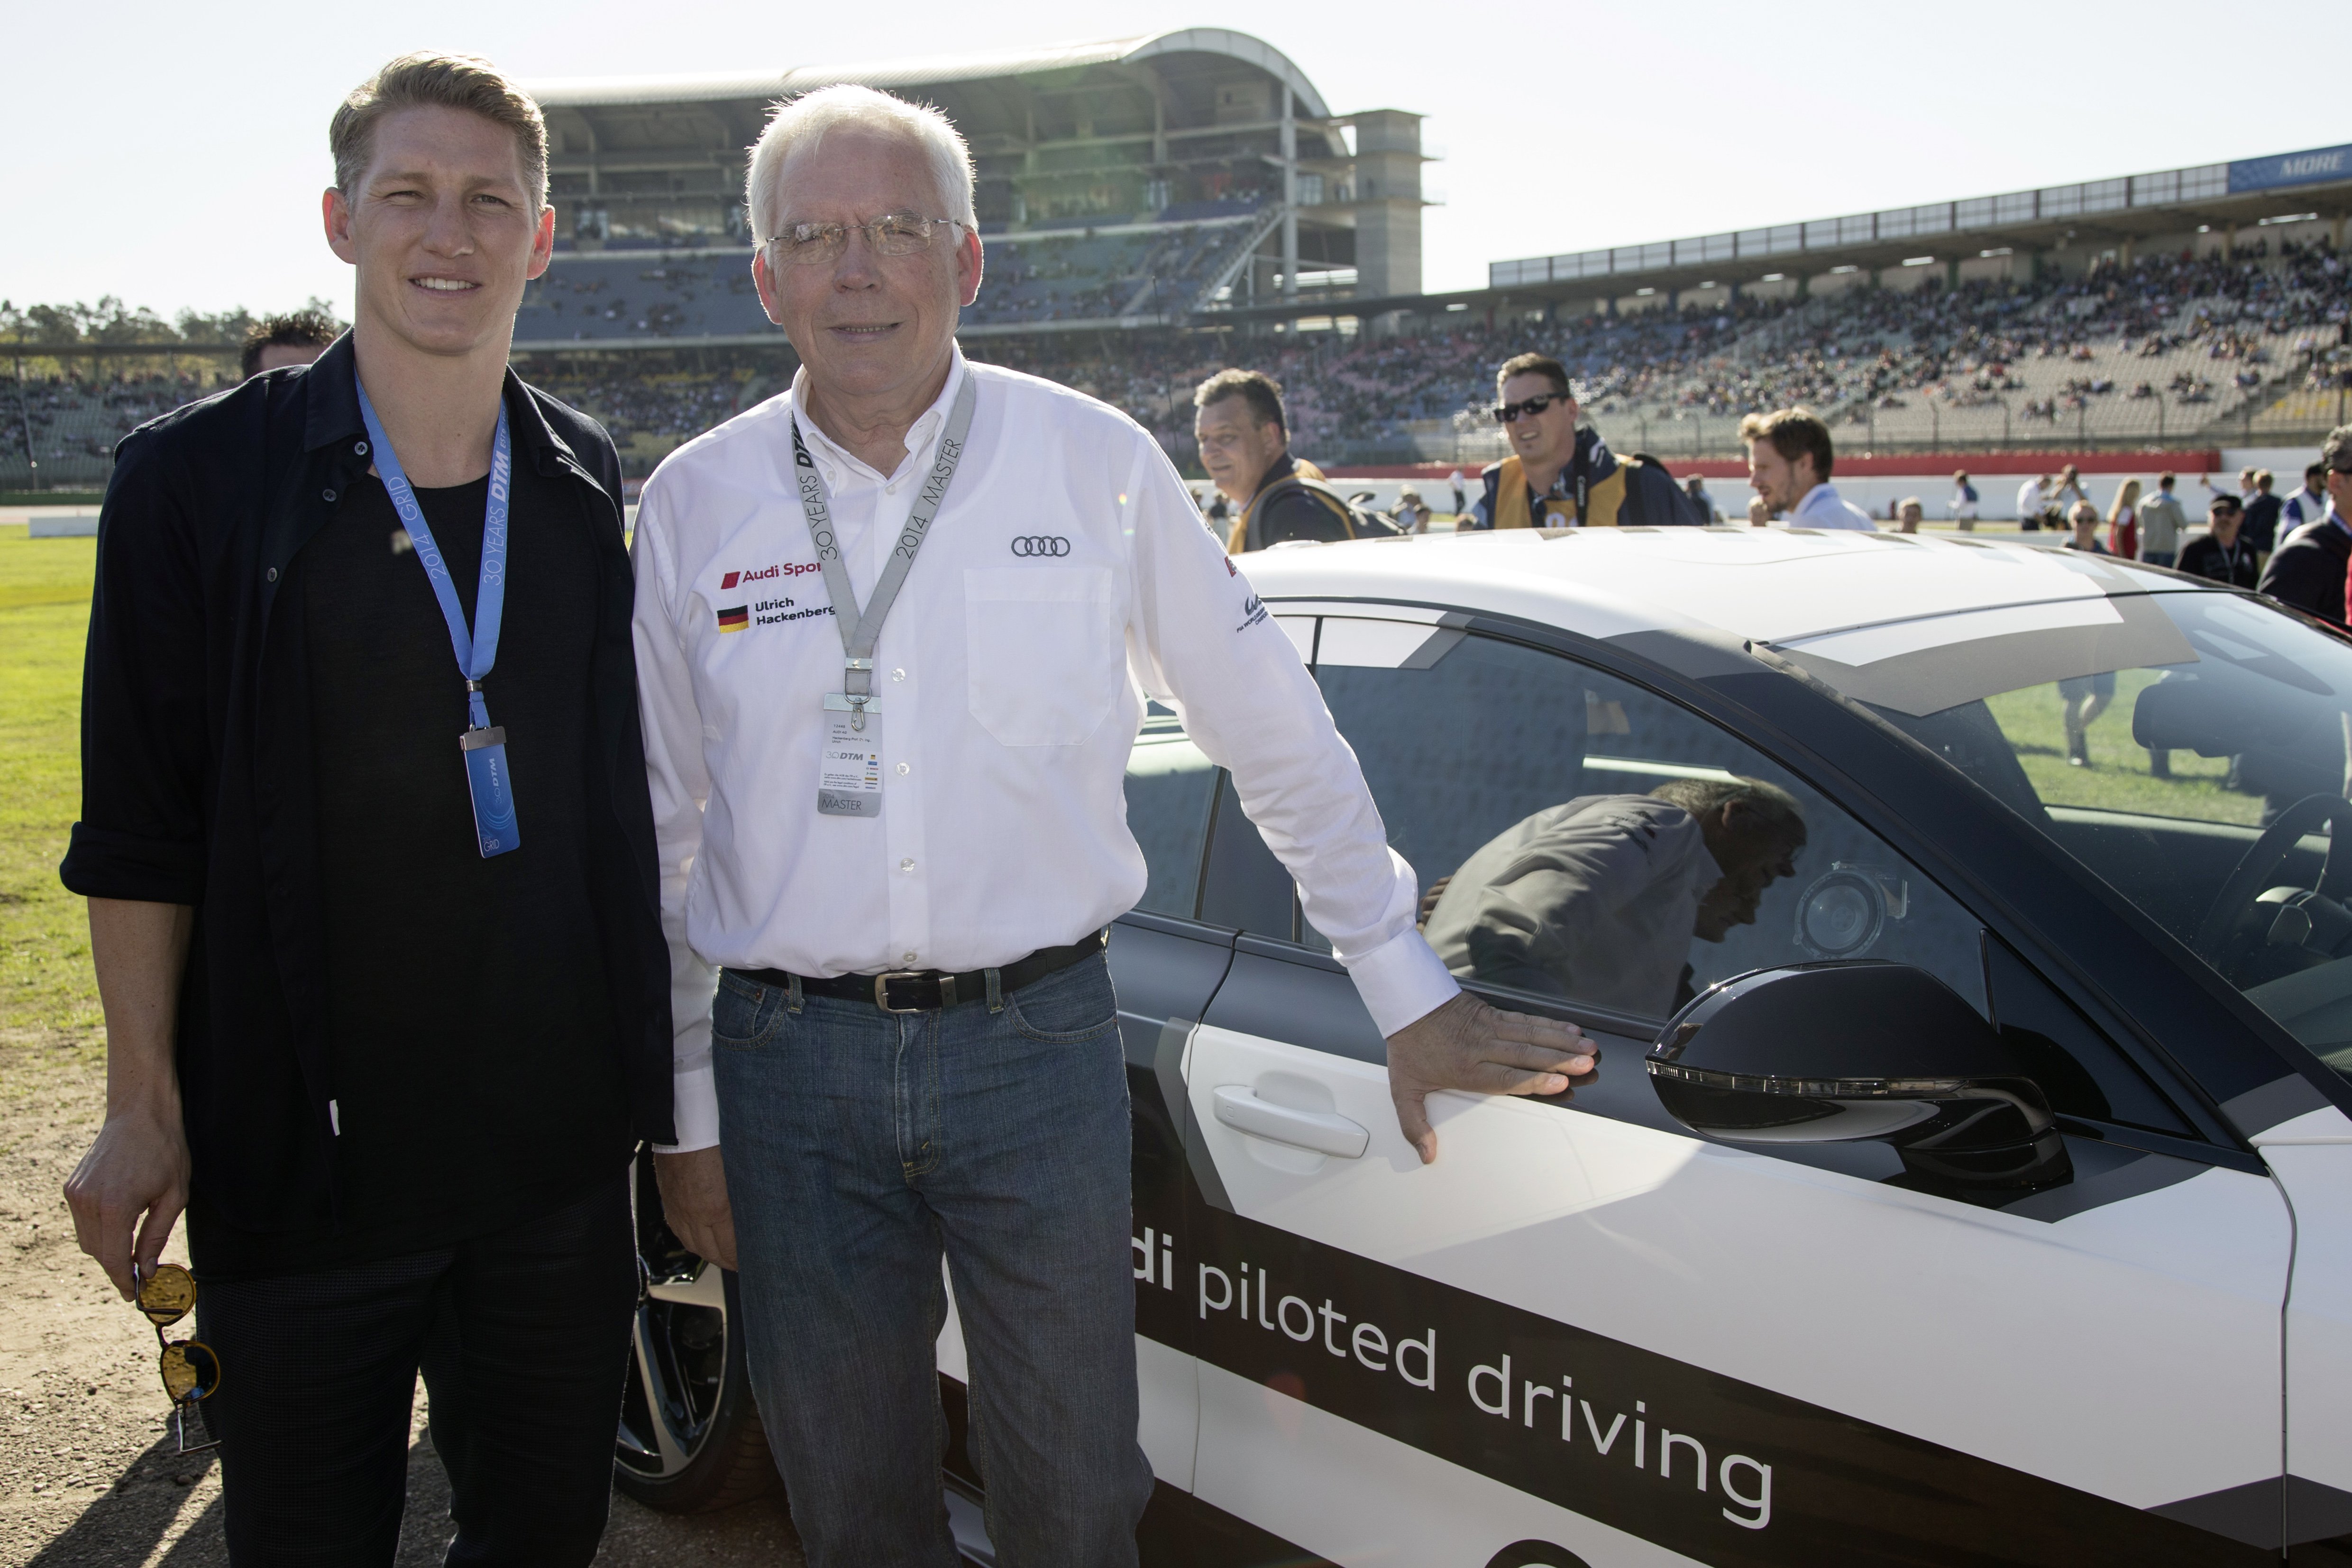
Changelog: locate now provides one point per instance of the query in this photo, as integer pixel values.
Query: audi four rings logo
(1041, 544)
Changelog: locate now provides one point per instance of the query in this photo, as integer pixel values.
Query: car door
(1585, 1334)
(2311, 1153)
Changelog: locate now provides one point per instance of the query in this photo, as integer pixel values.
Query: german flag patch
(736, 619)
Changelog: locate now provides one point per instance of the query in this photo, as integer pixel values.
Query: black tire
(690, 1439)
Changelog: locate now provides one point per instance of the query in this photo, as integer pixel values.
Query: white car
(1988, 1198)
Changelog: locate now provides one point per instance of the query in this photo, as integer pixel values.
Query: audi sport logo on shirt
(1041, 544)
(790, 569)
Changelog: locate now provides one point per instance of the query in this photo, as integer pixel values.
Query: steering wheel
(2262, 860)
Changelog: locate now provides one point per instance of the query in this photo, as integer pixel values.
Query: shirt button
(271, 574)
(897, 674)
(907, 865)
(902, 767)
(326, 495)
(907, 958)
(360, 448)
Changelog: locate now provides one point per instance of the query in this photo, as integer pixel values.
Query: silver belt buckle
(882, 989)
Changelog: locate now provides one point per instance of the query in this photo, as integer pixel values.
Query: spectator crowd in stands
(2206, 334)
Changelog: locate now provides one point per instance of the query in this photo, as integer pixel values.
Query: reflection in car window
(1588, 839)
(2191, 748)
(1169, 786)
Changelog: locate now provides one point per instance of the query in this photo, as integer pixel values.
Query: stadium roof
(2125, 208)
(594, 92)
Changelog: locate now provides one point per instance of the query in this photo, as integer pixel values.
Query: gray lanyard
(855, 696)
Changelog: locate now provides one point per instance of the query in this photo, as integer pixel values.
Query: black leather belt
(927, 990)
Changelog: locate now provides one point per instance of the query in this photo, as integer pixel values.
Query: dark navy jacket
(196, 762)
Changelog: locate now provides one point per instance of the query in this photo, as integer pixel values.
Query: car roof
(1767, 586)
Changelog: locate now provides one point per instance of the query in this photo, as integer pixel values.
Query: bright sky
(172, 154)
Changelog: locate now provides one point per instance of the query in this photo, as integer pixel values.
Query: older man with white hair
(886, 744)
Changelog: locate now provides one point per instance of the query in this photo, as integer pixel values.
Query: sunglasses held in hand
(191, 1371)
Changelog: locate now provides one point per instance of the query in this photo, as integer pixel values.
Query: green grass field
(46, 989)
(2118, 778)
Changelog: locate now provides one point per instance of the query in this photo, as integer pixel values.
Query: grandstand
(1137, 240)
(1134, 182)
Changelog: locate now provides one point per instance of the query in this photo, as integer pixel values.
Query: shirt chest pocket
(1043, 652)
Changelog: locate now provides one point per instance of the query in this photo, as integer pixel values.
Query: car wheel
(690, 1439)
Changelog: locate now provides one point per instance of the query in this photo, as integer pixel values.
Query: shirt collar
(331, 406)
(1281, 468)
(920, 434)
(1822, 494)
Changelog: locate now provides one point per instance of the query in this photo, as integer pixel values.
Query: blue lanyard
(476, 651)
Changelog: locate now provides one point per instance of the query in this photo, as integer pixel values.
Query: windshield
(2189, 747)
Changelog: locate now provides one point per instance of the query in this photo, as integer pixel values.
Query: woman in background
(2123, 522)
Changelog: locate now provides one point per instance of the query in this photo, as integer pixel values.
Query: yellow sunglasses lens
(167, 1295)
(190, 1370)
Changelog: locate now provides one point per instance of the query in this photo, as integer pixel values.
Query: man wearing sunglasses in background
(1559, 476)
(386, 1018)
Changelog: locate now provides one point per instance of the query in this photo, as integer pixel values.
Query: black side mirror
(1824, 1053)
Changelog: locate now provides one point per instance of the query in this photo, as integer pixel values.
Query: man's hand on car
(1467, 1044)
(694, 1202)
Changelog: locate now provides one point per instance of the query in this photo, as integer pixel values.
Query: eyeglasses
(896, 234)
(191, 1371)
(1508, 414)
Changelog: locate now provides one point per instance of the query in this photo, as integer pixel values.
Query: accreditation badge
(849, 768)
(493, 789)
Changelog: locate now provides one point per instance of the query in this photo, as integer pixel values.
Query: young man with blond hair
(385, 1017)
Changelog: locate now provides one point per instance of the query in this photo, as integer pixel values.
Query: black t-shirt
(473, 1062)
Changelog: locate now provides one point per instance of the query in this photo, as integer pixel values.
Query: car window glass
(2079, 1069)
(1169, 787)
(1592, 841)
(2189, 749)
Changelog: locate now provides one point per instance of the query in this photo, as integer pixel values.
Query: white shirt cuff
(694, 1110)
(1401, 981)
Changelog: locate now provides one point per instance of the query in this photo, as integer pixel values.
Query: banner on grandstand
(2326, 164)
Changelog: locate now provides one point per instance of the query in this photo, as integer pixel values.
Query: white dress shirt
(1065, 578)
(2029, 499)
(1824, 508)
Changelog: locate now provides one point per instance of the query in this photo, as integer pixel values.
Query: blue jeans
(860, 1148)
(2159, 557)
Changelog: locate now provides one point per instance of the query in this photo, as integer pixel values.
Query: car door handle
(1240, 1108)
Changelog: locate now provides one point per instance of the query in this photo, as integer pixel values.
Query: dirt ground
(88, 1475)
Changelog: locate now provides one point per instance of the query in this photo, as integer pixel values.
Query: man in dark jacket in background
(2308, 571)
(1245, 440)
(2262, 509)
(1559, 475)
(386, 1019)
(2223, 554)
